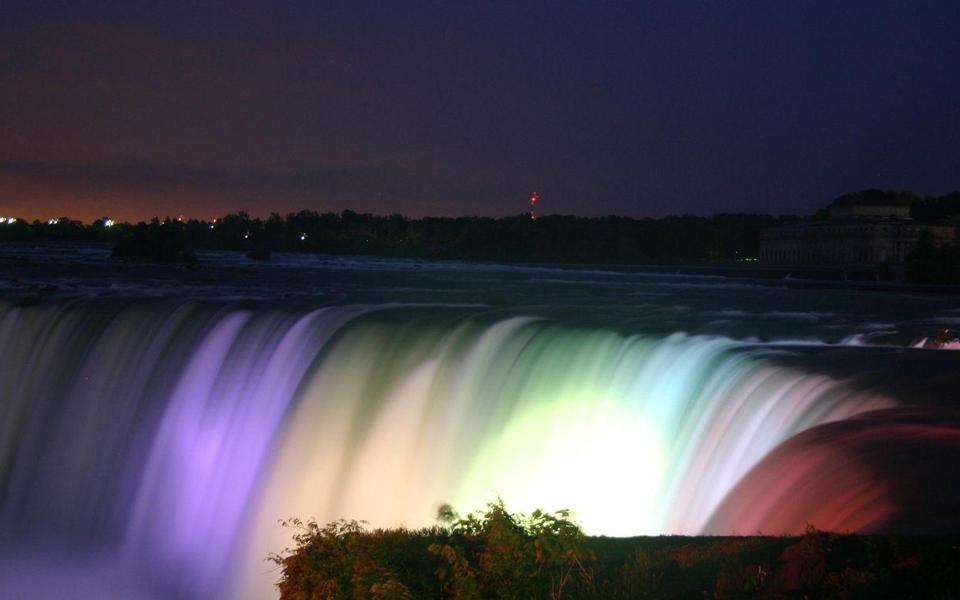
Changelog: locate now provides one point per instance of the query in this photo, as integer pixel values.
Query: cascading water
(164, 440)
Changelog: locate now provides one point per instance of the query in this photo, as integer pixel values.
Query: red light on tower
(533, 206)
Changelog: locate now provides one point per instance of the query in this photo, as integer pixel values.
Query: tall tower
(533, 206)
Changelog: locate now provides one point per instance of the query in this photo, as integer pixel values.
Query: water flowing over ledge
(164, 439)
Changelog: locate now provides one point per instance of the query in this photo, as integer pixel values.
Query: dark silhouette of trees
(551, 238)
(683, 239)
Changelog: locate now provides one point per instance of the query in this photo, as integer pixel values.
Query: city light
(53, 221)
(108, 223)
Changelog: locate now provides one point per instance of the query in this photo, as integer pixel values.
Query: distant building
(869, 211)
(854, 235)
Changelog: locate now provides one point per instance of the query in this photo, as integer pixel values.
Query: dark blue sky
(640, 108)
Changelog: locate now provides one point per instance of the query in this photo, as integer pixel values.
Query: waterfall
(164, 440)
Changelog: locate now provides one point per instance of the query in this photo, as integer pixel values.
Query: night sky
(634, 108)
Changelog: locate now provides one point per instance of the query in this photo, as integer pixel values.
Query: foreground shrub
(545, 556)
(499, 555)
(343, 560)
(493, 554)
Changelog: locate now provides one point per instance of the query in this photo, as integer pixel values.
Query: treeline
(686, 239)
(553, 238)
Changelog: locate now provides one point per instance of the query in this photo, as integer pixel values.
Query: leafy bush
(343, 560)
(498, 555)
(493, 554)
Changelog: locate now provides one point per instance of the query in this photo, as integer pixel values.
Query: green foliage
(343, 561)
(813, 566)
(637, 579)
(493, 554)
(735, 580)
(499, 555)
